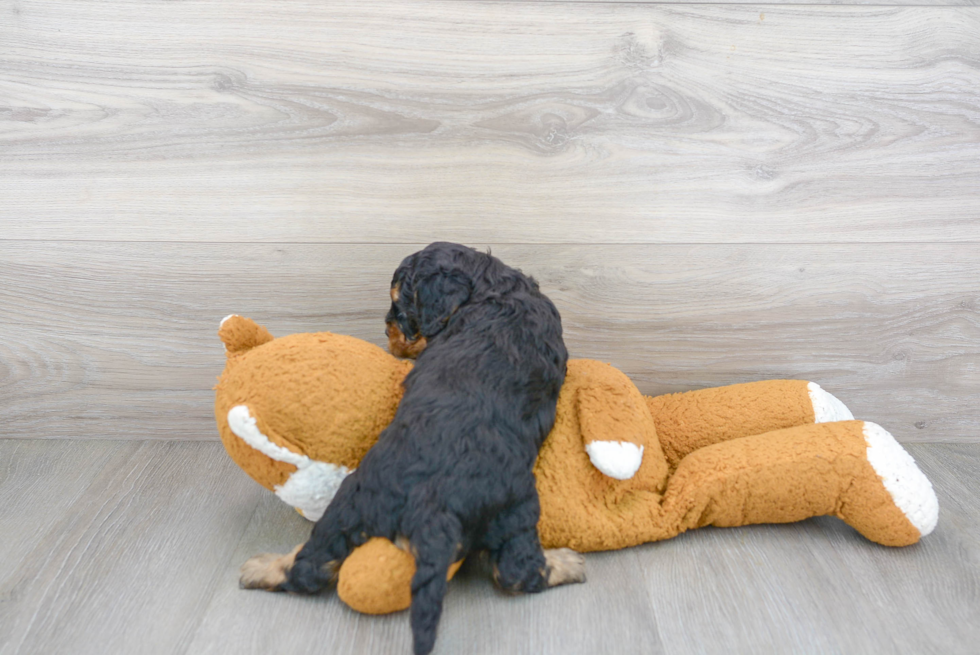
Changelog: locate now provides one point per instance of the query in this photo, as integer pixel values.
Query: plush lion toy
(618, 469)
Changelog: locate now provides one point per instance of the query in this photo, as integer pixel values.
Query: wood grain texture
(818, 587)
(130, 564)
(145, 560)
(488, 122)
(38, 486)
(242, 621)
(891, 3)
(610, 613)
(119, 340)
(477, 619)
(711, 194)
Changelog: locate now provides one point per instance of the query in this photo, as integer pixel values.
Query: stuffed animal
(618, 469)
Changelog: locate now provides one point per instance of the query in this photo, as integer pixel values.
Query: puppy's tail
(241, 334)
(435, 545)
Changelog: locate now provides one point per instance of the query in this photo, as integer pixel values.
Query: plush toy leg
(852, 469)
(695, 419)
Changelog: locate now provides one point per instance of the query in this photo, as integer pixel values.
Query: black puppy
(452, 474)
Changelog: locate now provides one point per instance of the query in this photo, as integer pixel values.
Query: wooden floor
(134, 546)
(710, 192)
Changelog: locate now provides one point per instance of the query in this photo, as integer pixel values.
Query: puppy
(452, 474)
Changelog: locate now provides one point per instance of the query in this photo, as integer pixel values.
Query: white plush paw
(826, 407)
(907, 485)
(617, 459)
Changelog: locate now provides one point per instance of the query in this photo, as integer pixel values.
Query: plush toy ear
(241, 334)
(437, 296)
(613, 428)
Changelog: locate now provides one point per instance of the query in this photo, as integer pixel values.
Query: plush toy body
(618, 469)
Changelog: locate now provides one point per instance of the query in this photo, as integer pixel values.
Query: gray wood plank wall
(711, 193)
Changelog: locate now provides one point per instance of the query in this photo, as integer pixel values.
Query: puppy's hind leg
(339, 530)
(267, 571)
(312, 566)
(520, 565)
(434, 545)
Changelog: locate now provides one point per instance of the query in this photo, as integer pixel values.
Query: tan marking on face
(267, 571)
(564, 566)
(401, 346)
(394, 291)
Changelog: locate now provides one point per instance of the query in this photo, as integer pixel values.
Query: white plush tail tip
(908, 486)
(826, 407)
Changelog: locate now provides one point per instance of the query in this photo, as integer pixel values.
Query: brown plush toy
(618, 468)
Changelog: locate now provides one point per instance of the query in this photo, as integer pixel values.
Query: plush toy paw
(907, 485)
(826, 407)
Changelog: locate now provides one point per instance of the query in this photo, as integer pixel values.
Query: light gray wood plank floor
(133, 547)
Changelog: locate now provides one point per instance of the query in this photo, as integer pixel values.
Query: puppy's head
(426, 290)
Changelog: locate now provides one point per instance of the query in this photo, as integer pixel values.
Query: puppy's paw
(564, 566)
(267, 571)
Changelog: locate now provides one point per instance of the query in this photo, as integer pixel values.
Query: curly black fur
(453, 471)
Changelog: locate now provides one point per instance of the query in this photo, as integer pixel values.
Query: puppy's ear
(437, 296)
